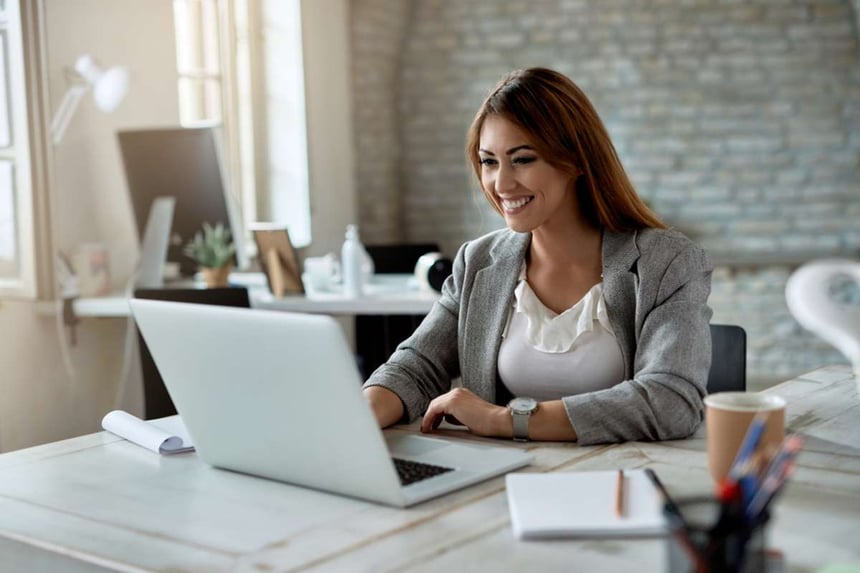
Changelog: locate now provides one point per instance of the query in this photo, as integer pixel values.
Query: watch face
(523, 404)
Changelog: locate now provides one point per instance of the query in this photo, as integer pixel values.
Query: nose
(505, 179)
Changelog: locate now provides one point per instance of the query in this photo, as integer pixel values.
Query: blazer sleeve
(423, 365)
(663, 401)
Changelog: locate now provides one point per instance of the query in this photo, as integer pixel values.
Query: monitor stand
(153, 251)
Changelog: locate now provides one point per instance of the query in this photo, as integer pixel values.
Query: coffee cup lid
(744, 401)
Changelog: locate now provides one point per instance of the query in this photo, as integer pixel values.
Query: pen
(742, 470)
(678, 525)
(668, 502)
(775, 475)
(619, 494)
(748, 446)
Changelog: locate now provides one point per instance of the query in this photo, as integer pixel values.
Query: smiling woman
(586, 309)
(554, 116)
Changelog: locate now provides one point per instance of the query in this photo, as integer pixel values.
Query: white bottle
(351, 263)
(367, 266)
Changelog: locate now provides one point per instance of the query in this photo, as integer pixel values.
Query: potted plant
(213, 250)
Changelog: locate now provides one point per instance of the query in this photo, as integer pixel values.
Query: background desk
(98, 503)
(387, 294)
(388, 312)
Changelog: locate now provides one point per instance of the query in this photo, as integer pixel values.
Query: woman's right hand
(386, 405)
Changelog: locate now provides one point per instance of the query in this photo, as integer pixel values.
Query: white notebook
(162, 436)
(582, 504)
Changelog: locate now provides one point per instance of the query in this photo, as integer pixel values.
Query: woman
(586, 309)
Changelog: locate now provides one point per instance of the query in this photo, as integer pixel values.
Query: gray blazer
(656, 285)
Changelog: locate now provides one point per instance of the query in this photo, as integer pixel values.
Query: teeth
(512, 205)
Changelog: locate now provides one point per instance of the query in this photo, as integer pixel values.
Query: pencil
(619, 494)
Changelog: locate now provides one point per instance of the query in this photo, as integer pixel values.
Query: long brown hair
(566, 131)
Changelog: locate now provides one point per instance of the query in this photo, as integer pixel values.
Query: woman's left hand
(460, 406)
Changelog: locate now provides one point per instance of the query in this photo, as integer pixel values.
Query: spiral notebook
(582, 504)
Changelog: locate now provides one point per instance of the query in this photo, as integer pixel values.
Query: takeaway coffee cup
(727, 417)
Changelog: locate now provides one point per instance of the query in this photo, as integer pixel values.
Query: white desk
(98, 503)
(386, 294)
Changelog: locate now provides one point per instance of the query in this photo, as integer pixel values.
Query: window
(17, 252)
(254, 91)
(198, 61)
(205, 54)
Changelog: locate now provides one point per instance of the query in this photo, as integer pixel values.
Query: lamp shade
(109, 87)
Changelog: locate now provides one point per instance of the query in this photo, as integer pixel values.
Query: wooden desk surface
(97, 503)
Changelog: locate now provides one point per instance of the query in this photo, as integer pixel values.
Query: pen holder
(704, 539)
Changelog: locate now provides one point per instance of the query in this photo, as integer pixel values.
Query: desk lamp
(108, 86)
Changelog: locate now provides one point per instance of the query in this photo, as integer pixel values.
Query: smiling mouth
(513, 205)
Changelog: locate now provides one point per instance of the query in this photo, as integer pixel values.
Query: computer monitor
(183, 163)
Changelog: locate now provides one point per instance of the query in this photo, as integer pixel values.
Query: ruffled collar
(556, 333)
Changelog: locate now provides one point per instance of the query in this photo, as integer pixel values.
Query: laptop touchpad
(412, 446)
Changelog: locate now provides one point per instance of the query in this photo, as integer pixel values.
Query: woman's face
(528, 191)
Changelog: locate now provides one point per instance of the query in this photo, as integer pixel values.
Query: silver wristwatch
(521, 410)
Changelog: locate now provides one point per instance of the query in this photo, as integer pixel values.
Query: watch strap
(521, 425)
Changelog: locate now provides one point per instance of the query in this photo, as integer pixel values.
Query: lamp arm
(66, 110)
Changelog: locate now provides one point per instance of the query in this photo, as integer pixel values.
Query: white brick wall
(778, 348)
(378, 28)
(739, 121)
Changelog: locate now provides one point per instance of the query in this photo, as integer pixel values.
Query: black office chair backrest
(728, 359)
(399, 258)
(376, 336)
(156, 400)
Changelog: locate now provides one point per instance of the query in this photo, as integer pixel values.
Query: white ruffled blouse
(547, 356)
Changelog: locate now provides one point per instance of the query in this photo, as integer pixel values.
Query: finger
(428, 424)
(452, 420)
(432, 417)
(435, 412)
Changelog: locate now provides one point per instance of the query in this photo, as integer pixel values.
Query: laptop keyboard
(411, 472)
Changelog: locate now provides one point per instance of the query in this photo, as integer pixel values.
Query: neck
(575, 244)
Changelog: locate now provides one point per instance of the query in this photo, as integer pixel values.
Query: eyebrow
(510, 151)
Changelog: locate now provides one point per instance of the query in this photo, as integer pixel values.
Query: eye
(524, 159)
(488, 161)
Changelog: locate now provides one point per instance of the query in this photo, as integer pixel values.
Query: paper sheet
(581, 504)
(163, 436)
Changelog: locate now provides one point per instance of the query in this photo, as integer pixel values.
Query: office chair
(398, 258)
(156, 400)
(728, 359)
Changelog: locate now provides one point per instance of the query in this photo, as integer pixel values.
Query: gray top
(656, 284)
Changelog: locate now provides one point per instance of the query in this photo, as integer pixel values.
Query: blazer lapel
(620, 254)
(490, 302)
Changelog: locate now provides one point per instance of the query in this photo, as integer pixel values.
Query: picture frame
(278, 259)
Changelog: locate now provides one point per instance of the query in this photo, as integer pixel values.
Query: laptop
(278, 395)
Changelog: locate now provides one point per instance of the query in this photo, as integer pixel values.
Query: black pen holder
(708, 539)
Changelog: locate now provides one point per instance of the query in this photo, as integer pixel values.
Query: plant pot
(216, 277)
